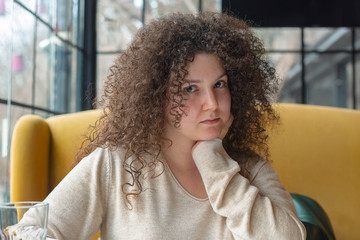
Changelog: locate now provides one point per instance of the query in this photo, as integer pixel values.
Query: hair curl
(135, 95)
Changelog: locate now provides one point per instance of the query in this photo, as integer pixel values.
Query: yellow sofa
(316, 151)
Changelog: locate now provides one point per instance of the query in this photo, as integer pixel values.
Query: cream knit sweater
(90, 198)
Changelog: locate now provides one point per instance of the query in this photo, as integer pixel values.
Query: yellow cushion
(316, 152)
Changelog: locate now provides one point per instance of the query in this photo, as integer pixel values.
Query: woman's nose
(210, 100)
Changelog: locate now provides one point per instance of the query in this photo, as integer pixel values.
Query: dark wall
(296, 13)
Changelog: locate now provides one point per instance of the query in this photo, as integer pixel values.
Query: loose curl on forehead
(135, 98)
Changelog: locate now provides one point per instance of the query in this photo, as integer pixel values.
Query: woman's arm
(77, 204)
(262, 209)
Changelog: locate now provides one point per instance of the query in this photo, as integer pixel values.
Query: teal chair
(314, 218)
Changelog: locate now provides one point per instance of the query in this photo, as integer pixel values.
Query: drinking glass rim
(24, 204)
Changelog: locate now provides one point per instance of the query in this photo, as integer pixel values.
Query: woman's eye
(190, 89)
(220, 84)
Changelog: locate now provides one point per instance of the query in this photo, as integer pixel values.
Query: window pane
(41, 67)
(44, 65)
(104, 62)
(211, 5)
(30, 4)
(280, 38)
(288, 67)
(3, 131)
(56, 92)
(64, 25)
(324, 39)
(5, 42)
(46, 10)
(158, 8)
(329, 79)
(357, 38)
(284, 64)
(291, 91)
(72, 91)
(117, 22)
(22, 57)
(78, 23)
(60, 88)
(4, 144)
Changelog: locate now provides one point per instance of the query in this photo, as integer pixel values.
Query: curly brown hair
(135, 95)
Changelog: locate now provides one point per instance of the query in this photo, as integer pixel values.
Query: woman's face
(207, 101)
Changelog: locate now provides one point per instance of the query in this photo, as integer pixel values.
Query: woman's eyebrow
(199, 80)
(223, 74)
(192, 81)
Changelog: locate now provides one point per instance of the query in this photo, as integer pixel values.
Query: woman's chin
(210, 136)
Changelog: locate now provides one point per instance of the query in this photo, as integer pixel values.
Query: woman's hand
(223, 131)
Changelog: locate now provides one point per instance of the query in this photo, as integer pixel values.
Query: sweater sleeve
(260, 209)
(76, 205)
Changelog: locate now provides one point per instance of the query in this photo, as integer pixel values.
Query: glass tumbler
(23, 220)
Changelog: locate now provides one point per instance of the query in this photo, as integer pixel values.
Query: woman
(176, 154)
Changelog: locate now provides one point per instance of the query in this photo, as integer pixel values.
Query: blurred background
(55, 54)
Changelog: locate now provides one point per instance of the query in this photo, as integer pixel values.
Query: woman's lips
(211, 121)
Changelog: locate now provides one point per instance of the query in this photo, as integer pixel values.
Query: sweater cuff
(210, 155)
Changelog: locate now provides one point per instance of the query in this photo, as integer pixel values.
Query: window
(39, 65)
(318, 66)
(118, 21)
(314, 45)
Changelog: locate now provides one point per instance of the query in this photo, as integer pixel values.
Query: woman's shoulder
(104, 157)
(257, 165)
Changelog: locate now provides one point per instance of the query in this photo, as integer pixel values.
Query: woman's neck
(178, 157)
(179, 153)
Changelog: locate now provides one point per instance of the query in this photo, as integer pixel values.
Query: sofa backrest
(316, 152)
(67, 132)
